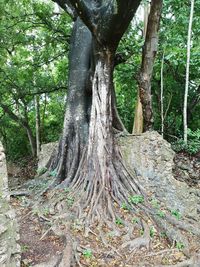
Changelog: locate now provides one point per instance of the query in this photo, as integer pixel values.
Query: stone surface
(45, 154)
(187, 168)
(151, 157)
(9, 249)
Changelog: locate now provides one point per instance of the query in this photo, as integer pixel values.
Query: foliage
(180, 245)
(34, 47)
(119, 221)
(176, 214)
(87, 253)
(136, 199)
(193, 145)
(160, 213)
(34, 61)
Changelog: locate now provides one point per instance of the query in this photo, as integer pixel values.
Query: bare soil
(40, 240)
(38, 243)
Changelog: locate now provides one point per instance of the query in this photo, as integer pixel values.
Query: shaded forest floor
(44, 229)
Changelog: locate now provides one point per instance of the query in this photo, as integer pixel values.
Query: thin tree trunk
(187, 71)
(31, 140)
(161, 95)
(138, 118)
(37, 123)
(148, 58)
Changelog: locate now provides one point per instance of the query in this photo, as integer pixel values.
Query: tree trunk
(187, 72)
(75, 128)
(161, 95)
(100, 145)
(31, 139)
(138, 118)
(37, 123)
(148, 57)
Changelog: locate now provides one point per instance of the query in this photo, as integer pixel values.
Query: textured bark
(75, 128)
(31, 138)
(161, 95)
(37, 123)
(187, 72)
(138, 118)
(148, 57)
(93, 173)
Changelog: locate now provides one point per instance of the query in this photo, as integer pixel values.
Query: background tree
(148, 57)
(138, 117)
(187, 71)
(18, 26)
(32, 64)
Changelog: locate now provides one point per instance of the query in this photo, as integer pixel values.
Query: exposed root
(139, 242)
(97, 202)
(170, 251)
(192, 262)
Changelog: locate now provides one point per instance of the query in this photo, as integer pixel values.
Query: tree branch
(107, 20)
(85, 12)
(66, 6)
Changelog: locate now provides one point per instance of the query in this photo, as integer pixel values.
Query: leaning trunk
(31, 139)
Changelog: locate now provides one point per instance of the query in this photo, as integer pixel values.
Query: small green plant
(24, 248)
(87, 253)
(45, 211)
(135, 220)
(142, 232)
(53, 173)
(179, 245)
(119, 221)
(136, 199)
(160, 213)
(163, 235)
(152, 231)
(70, 201)
(66, 190)
(176, 214)
(155, 204)
(41, 171)
(124, 206)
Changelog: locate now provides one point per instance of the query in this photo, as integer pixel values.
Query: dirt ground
(41, 241)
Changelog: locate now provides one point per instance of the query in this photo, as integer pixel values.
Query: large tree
(33, 48)
(88, 160)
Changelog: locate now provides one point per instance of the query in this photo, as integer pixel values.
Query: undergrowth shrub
(193, 144)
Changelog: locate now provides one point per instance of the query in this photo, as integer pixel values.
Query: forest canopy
(34, 46)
